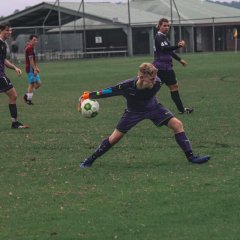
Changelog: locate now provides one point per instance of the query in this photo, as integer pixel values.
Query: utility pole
(60, 29)
(129, 32)
(172, 29)
(84, 28)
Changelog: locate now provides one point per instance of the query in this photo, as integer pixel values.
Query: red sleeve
(29, 51)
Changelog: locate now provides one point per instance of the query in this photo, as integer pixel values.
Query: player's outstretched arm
(105, 93)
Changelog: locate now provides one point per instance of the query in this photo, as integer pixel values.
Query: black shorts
(167, 76)
(5, 84)
(158, 116)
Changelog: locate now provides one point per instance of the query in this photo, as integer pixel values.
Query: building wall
(108, 39)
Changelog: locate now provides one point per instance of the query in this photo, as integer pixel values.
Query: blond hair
(147, 69)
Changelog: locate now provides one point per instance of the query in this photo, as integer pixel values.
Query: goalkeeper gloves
(85, 95)
(81, 99)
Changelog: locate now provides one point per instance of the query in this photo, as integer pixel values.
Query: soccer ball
(89, 108)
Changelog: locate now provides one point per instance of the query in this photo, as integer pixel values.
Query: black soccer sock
(104, 147)
(184, 144)
(13, 111)
(177, 100)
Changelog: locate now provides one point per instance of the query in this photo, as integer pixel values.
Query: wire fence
(200, 35)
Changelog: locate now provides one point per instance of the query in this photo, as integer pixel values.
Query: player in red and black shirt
(163, 54)
(140, 93)
(5, 84)
(31, 68)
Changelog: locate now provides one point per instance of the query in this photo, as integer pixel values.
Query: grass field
(143, 188)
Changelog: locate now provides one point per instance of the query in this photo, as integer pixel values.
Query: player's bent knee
(176, 125)
(115, 137)
(174, 87)
(13, 98)
(37, 85)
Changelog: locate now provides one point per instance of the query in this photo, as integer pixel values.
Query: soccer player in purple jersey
(5, 83)
(140, 93)
(163, 54)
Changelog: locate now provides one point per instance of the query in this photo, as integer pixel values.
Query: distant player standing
(31, 69)
(5, 83)
(142, 104)
(163, 54)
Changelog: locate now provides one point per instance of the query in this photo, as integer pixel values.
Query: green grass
(143, 188)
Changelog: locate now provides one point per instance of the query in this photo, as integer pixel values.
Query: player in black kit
(163, 54)
(140, 93)
(5, 83)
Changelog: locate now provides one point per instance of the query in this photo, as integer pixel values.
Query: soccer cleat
(187, 110)
(29, 102)
(86, 163)
(18, 125)
(198, 159)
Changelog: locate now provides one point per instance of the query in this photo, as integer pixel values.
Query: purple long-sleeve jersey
(164, 52)
(3, 55)
(137, 100)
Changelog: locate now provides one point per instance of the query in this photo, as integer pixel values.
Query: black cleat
(187, 110)
(198, 159)
(29, 102)
(86, 163)
(18, 125)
